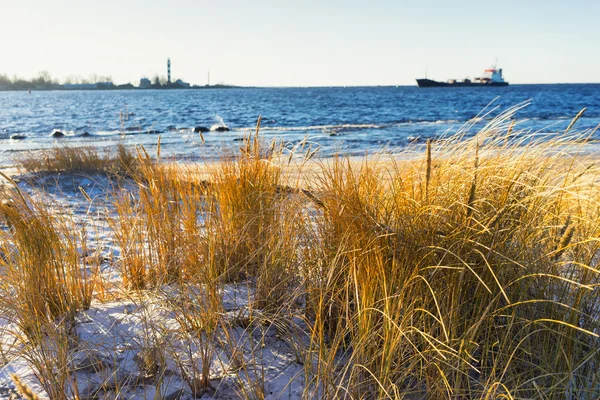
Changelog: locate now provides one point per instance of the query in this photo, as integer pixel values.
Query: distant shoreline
(135, 88)
(108, 89)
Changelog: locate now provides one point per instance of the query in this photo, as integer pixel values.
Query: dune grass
(42, 263)
(470, 271)
(45, 283)
(79, 159)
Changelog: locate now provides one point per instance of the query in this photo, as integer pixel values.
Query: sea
(349, 120)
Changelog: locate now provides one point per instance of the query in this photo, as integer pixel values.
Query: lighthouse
(168, 71)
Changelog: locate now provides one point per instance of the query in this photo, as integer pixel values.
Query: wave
(349, 127)
(328, 128)
(563, 117)
(117, 132)
(313, 127)
(399, 123)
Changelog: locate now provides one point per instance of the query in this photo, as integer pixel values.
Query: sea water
(352, 120)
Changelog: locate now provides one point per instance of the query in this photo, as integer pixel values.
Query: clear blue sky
(302, 43)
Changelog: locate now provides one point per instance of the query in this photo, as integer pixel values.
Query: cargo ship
(492, 77)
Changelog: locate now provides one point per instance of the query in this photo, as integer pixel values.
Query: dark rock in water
(221, 129)
(198, 129)
(153, 132)
(238, 139)
(171, 128)
(85, 134)
(57, 134)
(132, 129)
(17, 137)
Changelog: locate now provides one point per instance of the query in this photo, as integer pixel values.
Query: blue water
(355, 119)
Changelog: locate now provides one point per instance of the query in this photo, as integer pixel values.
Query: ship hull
(431, 83)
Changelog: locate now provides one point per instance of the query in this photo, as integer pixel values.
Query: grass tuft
(80, 160)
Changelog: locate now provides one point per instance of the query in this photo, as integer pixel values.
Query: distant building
(181, 83)
(145, 83)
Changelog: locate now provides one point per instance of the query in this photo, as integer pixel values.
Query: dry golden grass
(25, 390)
(45, 283)
(157, 230)
(80, 159)
(43, 270)
(469, 272)
(460, 275)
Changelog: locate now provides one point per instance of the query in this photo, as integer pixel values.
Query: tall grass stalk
(45, 283)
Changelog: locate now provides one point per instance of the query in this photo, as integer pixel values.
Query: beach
(458, 268)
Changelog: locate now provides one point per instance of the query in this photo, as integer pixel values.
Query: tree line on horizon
(44, 80)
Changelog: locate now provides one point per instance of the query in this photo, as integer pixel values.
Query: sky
(302, 43)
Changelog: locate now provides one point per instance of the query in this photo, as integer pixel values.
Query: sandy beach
(265, 276)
